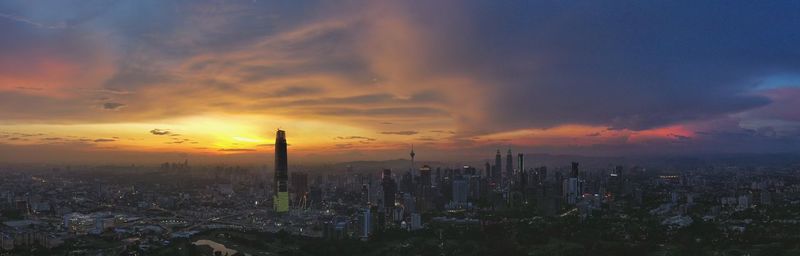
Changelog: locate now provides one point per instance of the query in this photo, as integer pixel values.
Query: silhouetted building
(425, 175)
(572, 186)
(541, 172)
(299, 187)
(389, 190)
(469, 170)
(574, 172)
(412, 154)
(407, 183)
(496, 175)
(509, 168)
(424, 190)
(460, 191)
(366, 223)
(365, 194)
(281, 197)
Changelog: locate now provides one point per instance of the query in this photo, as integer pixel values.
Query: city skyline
(380, 127)
(155, 81)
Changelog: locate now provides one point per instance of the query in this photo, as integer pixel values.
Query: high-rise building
(469, 171)
(475, 187)
(521, 162)
(281, 197)
(425, 175)
(541, 172)
(572, 190)
(572, 186)
(460, 191)
(389, 190)
(509, 167)
(407, 183)
(424, 190)
(574, 172)
(498, 164)
(299, 185)
(366, 223)
(412, 154)
(365, 194)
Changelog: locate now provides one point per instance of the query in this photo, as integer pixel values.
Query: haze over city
(112, 81)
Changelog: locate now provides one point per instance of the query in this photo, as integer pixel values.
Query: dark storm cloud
(633, 65)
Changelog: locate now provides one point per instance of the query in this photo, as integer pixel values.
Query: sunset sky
(150, 81)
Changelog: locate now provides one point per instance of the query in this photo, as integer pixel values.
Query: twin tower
(281, 197)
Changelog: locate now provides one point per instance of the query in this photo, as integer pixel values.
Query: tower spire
(412, 154)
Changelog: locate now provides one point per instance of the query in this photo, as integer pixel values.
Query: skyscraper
(281, 197)
(498, 163)
(424, 193)
(366, 223)
(299, 184)
(412, 154)
(389, 190)
(460, 190)
(509, 167)
(574, 173)
(572, 187)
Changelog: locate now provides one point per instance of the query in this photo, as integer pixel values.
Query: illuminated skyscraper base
(281, 202)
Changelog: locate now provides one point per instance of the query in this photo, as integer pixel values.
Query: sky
(152, 80)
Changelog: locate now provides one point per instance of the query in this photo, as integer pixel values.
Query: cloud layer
(586, 77)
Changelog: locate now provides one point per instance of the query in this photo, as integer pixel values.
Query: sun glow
(210, 133)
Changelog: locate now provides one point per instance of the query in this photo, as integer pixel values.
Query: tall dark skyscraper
(498, 163)
(389, 190)
(574, 172)
(521, 162)
(509, 167)
(424, 193)
(281, 197)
